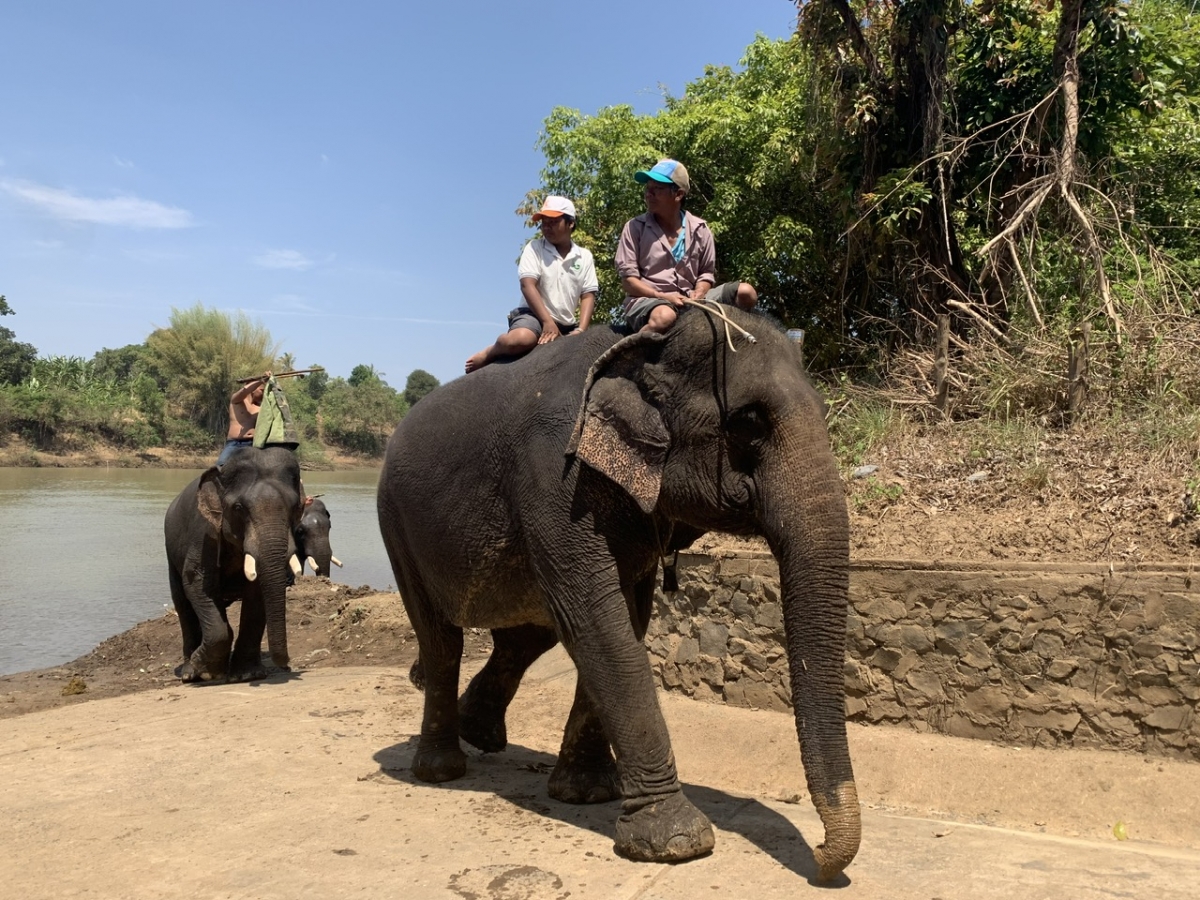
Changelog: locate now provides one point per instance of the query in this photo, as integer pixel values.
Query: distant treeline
(173, 390)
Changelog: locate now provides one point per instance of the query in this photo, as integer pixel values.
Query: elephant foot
(480, 726)
(436, 766)
(666, 830)
(596, 783)
(189, 673)
(255, 673)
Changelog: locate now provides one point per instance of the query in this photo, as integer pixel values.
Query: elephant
(535, 498)
(312, 538)
(229, 537)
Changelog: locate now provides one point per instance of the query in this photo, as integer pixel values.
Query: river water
(82, 557)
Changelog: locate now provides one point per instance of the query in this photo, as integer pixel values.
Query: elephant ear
(618, 432)
(208, 498)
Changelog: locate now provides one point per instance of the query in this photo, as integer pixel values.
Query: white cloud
(130, 212)
(123, 163)
(283, 259)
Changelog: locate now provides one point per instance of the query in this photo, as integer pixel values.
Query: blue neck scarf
(680, 244)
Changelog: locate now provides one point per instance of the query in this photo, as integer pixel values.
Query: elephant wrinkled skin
(536, 497)
(229, 538)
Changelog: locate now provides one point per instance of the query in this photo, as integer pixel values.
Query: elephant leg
(189, 622)
(246, 663)
(209, 660)
(482, 706)
(657, 823)
(586, 771)
(439, 756)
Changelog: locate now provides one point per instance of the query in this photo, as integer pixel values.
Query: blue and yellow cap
(666, 171)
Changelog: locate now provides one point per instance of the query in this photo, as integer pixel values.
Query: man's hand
(675, 297)
(549, 332)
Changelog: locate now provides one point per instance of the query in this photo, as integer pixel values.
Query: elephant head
(713, 430)
(254, 502)
(312, 538)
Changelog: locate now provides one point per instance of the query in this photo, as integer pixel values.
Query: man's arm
(533, 299)
(706, 263)
(636, 287)
(587, 303)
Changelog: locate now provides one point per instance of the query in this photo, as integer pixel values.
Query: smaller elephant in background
(229, 538)
(312, 538)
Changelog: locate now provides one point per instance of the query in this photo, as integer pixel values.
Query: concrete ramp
(300, 788)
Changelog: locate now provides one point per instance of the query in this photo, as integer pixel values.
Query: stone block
(1047, 645)
(1055, 720)
(959, 725)
(687, 651)
(1157, 695)
(907, 663)
(714, 638)
(1168, 718)
(855, 707)
(1061, 669)
(915, 638)
(987, 704)
(927, 683)
(887, 709)
(886, 659)
(769, 615)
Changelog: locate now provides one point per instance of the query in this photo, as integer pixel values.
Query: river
(82, 558)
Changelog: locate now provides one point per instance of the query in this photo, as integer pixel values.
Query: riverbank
(17, 453)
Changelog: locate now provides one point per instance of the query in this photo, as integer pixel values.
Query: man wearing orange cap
(556, 277)
(667, 255)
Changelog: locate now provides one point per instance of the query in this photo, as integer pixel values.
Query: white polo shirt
(561, 280)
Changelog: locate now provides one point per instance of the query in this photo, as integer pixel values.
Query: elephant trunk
(807, 527)
(272, 558)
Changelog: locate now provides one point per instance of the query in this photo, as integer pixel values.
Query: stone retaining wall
(1019, 653)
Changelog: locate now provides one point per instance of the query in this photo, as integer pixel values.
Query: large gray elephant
(312, 538)
(229, 538)
(536, 498)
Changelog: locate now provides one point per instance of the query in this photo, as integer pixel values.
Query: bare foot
(478, 360)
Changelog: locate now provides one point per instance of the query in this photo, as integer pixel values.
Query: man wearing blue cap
(667, 255)
(557, 276)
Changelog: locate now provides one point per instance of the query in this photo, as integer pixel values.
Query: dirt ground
(1068, 499)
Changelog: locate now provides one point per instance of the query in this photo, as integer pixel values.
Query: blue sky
(344, 173)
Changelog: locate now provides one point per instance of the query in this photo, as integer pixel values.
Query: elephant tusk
(313, 564)
(337, 562)
(294, 565)
(251, 568)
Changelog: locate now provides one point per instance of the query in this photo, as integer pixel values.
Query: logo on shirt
(576, 266)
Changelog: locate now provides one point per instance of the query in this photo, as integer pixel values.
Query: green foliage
(360, 417)
(746, 141)
(16, 358)
(419, 384)
(364, 374)
(316, 383)
(201, 355)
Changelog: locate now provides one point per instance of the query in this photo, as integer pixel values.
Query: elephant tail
(417, 674)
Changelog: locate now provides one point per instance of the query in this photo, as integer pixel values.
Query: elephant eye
(748, 425)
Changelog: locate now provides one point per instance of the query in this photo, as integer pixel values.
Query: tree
(364, 374)
(16, 358)
(316, 383)
(418, 385)
(361, 417)
(120, 364)
(200, 357)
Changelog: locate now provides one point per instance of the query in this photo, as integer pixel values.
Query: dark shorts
(523, 317)
(638, 314)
